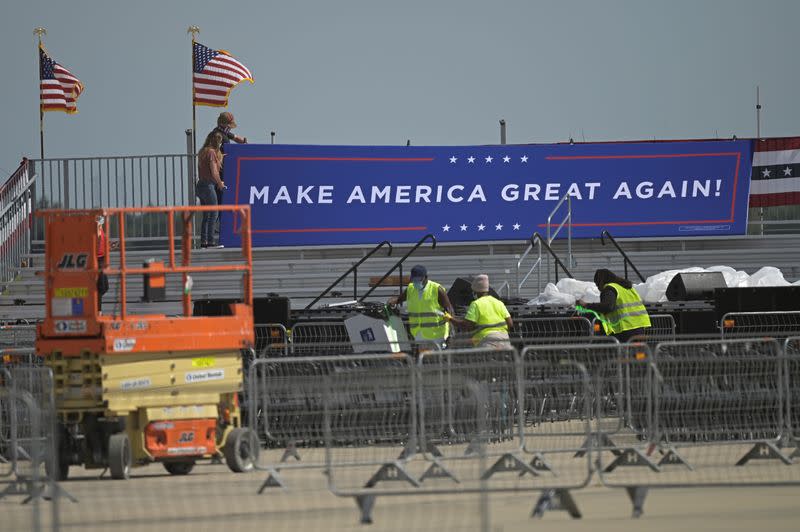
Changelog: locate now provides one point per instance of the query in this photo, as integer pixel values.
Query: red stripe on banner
(774, 200)
(225, 75)
(785, 143)
(662, 156)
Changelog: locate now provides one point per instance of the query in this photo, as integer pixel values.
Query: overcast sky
(378, 72)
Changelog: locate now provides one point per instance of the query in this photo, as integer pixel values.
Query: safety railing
(116, 182)
(118, 268)
(776, 324)
(604, 234)
(16, 211)
(354, 270)
(399, 265)
(714, 414)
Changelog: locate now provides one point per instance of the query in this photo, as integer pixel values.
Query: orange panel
(185, 437)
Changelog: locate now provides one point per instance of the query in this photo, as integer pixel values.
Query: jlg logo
(71, 261)
(186, 437)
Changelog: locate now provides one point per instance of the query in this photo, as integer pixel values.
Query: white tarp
(653, 290)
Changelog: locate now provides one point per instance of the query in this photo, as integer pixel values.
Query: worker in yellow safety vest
(620, 304)
(487, 316)
(429, 308)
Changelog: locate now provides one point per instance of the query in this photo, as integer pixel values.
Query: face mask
(419, 285)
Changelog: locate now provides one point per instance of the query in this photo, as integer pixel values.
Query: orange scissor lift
(132, 389)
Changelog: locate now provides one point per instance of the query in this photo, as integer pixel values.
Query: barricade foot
(509, 462)
(637, 495)
(631, 457)
(558, 500)
(598, 439)
(538, 463)
(290, 451)
(392, 471)
(672, 457)
(47, 494)
(438, 470)
(764, 450)
(413, 448)
(365, 504)
(273, 480)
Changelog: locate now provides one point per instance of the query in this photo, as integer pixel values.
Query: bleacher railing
(116, 182)
(16, 209)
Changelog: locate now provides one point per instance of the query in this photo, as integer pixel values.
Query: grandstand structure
(302, 274)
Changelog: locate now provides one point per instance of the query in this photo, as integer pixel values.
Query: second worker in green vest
(429, 308)
(487, 317)
(620, 304)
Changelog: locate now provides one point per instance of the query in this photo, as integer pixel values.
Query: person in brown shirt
(209, 163)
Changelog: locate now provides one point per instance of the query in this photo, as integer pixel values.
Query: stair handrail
(627, 260)
(399, 264)
(536, 265)
(537, 237)
(551, 235)
(354, 270)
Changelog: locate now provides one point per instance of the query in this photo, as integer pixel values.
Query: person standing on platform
(102, 278)
(623, 312)
(225, 125)
(209, 184)
(487, 316)
(428, 306)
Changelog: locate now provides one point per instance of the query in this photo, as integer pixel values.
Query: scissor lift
(138, 388)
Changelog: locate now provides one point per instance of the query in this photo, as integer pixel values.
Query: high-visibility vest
(489, 315)
(425, 314)
(629, 312)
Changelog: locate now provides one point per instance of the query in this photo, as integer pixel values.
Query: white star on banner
(506, 159)
(463, 227)
(481, 227)
(787, 171)
(453, 159)
(470, 160)
(498, 227)
(488, 158)
(766, 172)
(516, 227)
(445, 228)
(523, 159)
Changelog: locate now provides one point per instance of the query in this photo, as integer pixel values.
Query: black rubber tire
(179, 468)
(120, 456)
(241, 450)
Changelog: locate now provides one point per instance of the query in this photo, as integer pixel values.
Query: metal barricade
(286, 408)
(469, 437)
(753, 324)
(320, 338)
(17, 337)
(716, 417)
(551, 329)
(271, 340)
(792, 382)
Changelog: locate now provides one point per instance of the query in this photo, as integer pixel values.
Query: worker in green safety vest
(624, 314)
(429, 308)
(487, 317)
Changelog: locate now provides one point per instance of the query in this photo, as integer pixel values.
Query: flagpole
(39, 32)
(193, 30)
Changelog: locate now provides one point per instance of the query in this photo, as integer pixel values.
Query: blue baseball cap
(418, 272)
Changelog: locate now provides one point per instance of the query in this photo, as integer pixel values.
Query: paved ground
(211, 498)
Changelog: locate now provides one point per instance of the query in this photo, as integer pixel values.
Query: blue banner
(323, 195)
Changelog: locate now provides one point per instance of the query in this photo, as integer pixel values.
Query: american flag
(59, 89)
(215, 74)
(776, 172)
